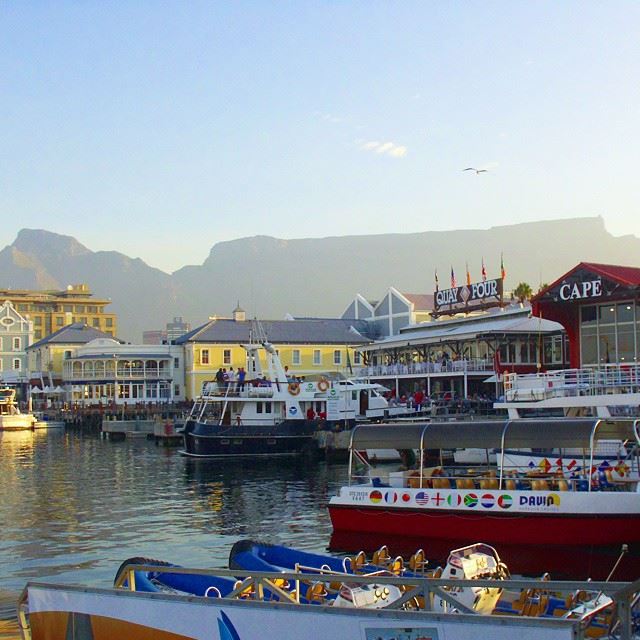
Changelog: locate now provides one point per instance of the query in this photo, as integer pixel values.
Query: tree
(523, 291)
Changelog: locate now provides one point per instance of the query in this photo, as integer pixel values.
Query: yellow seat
(396, 566)
(316, 592)
(510, 484)
(359, 561)
(563, 485)
(540, 485)
(489, 483)
(381, 557)
(464, 483)
(417, 562)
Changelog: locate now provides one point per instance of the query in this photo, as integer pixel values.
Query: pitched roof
(307, 331)
(627, 276)
(421, 301)
(75, 333)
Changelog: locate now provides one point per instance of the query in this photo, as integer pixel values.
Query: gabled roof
(626, 276)
(76, 333)
(308, 331)
(421, 301)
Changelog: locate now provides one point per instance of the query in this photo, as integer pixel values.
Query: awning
(494, 434)
(494, 378)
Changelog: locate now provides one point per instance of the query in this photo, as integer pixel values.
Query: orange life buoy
(323, 384)
(294, 388)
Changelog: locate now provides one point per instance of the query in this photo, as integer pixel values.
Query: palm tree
(523, 291)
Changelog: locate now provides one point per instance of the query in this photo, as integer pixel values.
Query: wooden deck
(9, 629)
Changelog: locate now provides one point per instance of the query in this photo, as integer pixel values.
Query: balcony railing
(425, 368)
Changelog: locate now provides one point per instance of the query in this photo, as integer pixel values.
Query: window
(59, 321)
(79, 308)
(176, 363)
(337, 357)
(68, 308)
(176, 389)
(295, 357)
(37, 320)
(16, 363)
(108, 322)
(38, 335)
(226, 356)
(267, 407)
(357, 357)
(17, 343)
(317, 357)
(83, 319)
(258, 407)
(95, 322)
(204, 356)
(67, 355)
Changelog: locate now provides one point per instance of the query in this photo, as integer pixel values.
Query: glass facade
(609, 333)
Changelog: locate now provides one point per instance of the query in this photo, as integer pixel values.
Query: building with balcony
(45, 358)
(107, 372)
(16, 334)
(50, 310)
(464, 356)
(310, 346)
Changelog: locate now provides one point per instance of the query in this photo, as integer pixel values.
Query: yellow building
(51, 310)
(306, 347)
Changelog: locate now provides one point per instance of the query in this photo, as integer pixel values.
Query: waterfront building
(391, 313)
(599, 306)
(16, 334)
(45, 358)
(310, 346)
(50, 310)
(465, 355)
(107, 372)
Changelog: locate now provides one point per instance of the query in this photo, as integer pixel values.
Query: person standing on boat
(231, 377)
(220, 378)
(241, 376)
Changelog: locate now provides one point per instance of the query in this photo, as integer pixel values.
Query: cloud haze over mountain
(305, 277)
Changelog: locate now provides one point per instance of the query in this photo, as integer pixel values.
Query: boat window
(225, 441)
(267, 407)
(258, 407)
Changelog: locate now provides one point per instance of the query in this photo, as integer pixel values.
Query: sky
(160, 128)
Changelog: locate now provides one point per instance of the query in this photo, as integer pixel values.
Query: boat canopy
(495, 434)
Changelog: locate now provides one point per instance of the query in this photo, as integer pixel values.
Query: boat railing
(551, 602)
(588, 381)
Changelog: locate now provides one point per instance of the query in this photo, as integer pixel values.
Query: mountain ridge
(307, 276)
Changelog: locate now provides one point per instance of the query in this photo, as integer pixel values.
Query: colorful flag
(436, 274)
(468, 275)
(503, 273)
(453, 279)
(484, 271)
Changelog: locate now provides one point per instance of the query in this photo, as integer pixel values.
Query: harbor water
(74, 506)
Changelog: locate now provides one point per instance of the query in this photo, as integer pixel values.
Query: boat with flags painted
(588, 513)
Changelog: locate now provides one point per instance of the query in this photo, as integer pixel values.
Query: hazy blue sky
(160, 128)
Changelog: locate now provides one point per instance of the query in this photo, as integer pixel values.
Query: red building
(599, 306)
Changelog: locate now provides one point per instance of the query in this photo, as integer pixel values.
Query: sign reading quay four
(474, 295)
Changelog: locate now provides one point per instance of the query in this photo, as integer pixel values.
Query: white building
(107, 372)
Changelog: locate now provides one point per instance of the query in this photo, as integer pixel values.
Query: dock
(9, 628)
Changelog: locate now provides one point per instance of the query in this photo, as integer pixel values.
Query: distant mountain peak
(40, 241)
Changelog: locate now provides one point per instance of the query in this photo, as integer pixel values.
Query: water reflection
(74, 506)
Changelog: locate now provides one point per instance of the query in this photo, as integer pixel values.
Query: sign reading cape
(479, 295)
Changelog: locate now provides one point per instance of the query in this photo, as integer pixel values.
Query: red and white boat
(575, 522)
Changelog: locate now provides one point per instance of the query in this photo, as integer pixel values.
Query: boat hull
(529, 543)
(59, 612)
(20, 422)
(286, 438)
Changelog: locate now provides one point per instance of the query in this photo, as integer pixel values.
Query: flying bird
(476, 170)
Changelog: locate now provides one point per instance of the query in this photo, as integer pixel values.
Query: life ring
(294, 388)
(323, 384)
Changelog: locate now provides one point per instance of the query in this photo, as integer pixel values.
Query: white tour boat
(11, 418)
